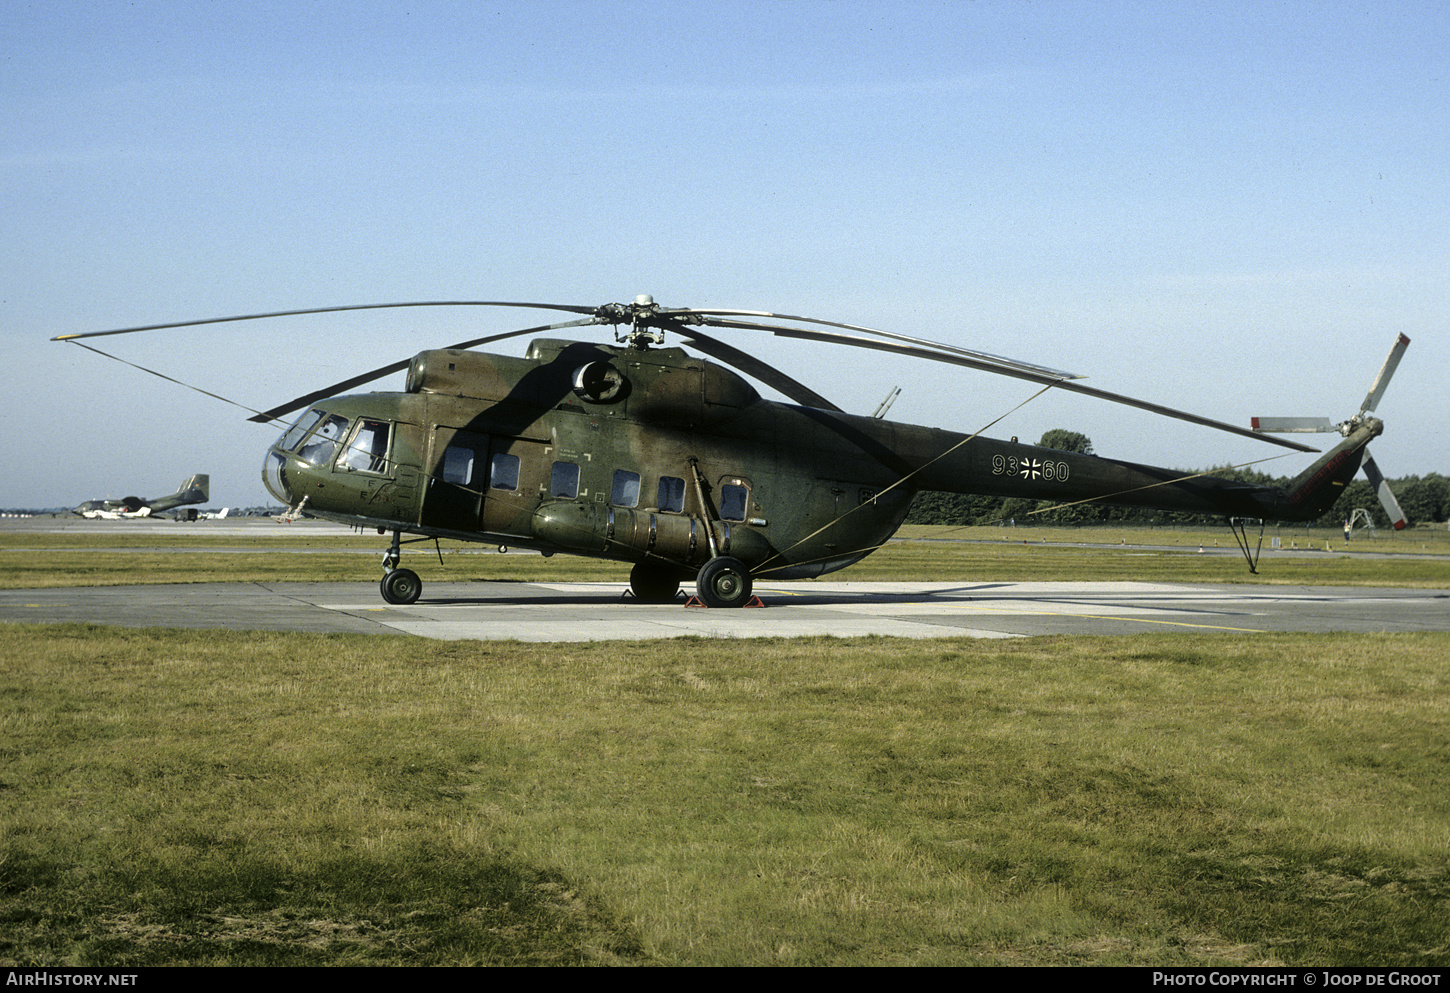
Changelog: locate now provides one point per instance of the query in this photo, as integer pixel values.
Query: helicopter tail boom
(1008, 469)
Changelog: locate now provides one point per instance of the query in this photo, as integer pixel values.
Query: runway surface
(599, 612)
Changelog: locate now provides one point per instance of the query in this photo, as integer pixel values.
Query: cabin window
(368, 451)
(458, 465)
(319, 448)
(299, 428)
(733, 501)
(672, 494)
(625, 492)
(503, 472)
(564, 482)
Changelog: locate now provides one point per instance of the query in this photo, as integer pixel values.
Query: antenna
(885, 405)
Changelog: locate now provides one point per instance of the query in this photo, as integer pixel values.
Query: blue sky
(1231, 208)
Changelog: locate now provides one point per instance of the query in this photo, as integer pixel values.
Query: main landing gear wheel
(401, 586)
(652, 583)
(723, 582)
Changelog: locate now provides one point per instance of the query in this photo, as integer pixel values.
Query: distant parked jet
(197, 489)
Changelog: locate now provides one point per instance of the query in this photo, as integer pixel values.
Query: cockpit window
(300, 427)
(368, 451)
(323, 442)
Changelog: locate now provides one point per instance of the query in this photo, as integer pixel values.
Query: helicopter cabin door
(518, 476)
(455, 485)
(484, 482)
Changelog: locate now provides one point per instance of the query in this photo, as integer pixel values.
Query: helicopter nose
(291, 479)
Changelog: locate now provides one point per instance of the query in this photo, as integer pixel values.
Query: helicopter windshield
(298, 430)
(323, 441)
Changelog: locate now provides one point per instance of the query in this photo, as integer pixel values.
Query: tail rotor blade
(1377, 390)
(1382, 490)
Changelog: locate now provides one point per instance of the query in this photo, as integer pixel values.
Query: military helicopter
(642, 452)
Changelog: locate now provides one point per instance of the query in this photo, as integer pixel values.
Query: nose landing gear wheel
(401, 586)
(723, 582)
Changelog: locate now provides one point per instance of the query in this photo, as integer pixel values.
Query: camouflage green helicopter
(645, 453)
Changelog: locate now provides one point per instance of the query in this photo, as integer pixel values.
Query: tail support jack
(1239, 526)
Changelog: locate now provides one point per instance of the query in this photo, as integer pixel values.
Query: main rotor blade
(1292, 425)
(1377, 388)
(1382, 490)
(1016, 371)
(392, 367)
(329, 310)
(751, 366)
(706, 315)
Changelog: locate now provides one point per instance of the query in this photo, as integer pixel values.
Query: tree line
(1424, 499)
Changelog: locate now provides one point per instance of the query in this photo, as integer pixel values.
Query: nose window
(274, 477)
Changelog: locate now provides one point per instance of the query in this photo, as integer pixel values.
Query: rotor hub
(643, 316)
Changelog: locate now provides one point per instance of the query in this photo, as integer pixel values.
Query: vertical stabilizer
(197, 489)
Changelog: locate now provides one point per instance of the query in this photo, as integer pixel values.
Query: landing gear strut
(398, 586)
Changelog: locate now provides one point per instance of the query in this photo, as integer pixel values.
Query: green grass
(1013, 561)
(1423, 539)
(261, 798)
(34, 560)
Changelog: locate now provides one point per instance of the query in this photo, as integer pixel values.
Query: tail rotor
(1291, 425)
